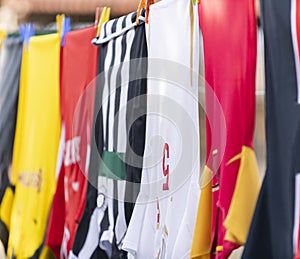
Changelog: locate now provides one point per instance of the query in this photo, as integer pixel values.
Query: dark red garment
(229, 37)
(78, 72)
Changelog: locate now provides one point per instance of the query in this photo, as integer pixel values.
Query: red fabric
(55, 228)
(229, 37)
(78, 70)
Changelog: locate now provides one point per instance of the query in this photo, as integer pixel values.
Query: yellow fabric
(6, 206)
(36, 144)
(244, 198)
(219, 248)
(2, 37)
(47, 253)
(104, 18)
(202, 234)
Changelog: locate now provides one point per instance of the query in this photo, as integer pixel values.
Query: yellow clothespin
(2, 37)
(59, 22)
(63, 26)
(104, 17)
(141, 6)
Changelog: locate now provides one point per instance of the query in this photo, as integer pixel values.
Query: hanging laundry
(119, 131)
(9, 92)
(229, 39)
(163, 220)
(36, 145)
(271, 232)
(77, 93)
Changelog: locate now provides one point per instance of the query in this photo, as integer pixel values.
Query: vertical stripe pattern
(108, 224)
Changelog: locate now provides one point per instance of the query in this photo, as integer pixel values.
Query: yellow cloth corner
(6, 205)
(219, 248)
(244, 198)
(202, 233)
(47, 253)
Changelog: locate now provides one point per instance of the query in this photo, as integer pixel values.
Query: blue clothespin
(66, 27)
(22, 28)
(26, 31)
